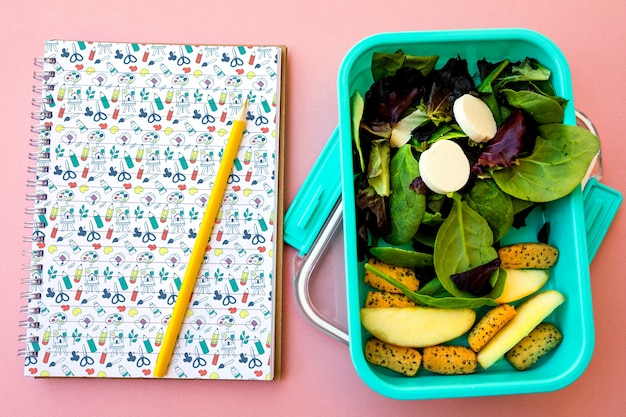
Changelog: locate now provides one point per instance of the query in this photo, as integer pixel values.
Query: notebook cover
(130, 138)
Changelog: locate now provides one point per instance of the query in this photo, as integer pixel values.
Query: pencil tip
(242, 113)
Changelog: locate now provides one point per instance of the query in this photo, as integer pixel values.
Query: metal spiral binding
(41, 115)
(38, 101)
(40, 88)
(30, 310)
(34, 225)
(41, 158)
(39, 196)
(37, 182)
(40, 61)
(38, 129)
(30, 296)
(36, 237)
(30, 324)
(38, 169)
(43, 75)
(35, 211)
(39, 142)
(32, 281)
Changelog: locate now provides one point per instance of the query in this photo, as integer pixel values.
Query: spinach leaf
(556, 166)
(464, 241)
(541, 108)
(384, 64)
(494, 205)
(487, 92)
(528, 70)
(402, 257)
(437, 296)
(378, 167)
(356, 106)
(406, 206)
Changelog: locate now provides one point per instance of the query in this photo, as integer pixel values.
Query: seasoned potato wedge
(386, 299)
(541, 340)
(449, 360)
(489, 325)
(529, 255)
(403, 274)
(400, 359)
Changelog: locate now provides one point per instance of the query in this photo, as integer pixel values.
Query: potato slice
(528, 255)
(489, 325)
(544, 338)
(400, 273)
(417, 326)
(386, 299)
(449, 360)
(399, 359)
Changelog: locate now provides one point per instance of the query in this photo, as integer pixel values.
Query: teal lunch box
(572, 219)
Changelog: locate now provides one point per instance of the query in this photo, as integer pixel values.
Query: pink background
(317, 377)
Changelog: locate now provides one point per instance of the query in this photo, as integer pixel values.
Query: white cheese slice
(444, 168)
(474, 118)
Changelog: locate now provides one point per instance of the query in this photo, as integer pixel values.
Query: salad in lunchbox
(446, 163)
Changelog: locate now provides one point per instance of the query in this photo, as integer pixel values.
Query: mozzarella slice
(444, 168)
(474, 118)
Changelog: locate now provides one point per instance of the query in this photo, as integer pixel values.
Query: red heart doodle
(71, 184)
(128, 185)
(202, 372)
(187, 70)
(103, 126)
(97, 246)
(79, 66)
(146, 372)
(239, 71)
(157, 127)
(65, 307)
(262, 249)
(236, 188)
(182, 187)
(232, 310)
(208, 248)
(133, 68)
(33, 371)
(152, 247)
(211, 128)
(258, 373)
(48, 124)
(121, 309)
(265, 129)
(41, 245)
(89, 371)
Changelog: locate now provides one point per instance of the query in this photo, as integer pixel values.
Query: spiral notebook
(129, 138)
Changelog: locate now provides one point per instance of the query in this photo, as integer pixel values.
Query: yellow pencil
(199, 247)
